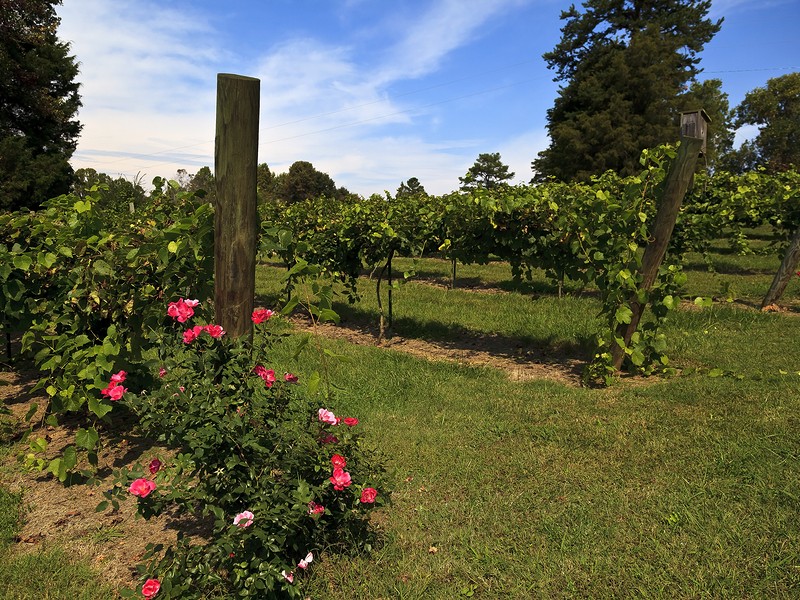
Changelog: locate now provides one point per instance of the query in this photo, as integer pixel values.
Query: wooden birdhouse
(694, 123)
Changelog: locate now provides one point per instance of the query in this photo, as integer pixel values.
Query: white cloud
(149, 91)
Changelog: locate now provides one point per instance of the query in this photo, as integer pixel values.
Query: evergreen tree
(412, 187)
(624, 64)
(487, 173)
(38, 102)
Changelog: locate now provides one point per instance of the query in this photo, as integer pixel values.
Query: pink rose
(162, 371)
(243, 519)
(288, 377)
(288, 576)
(118, 377)
(215, 331)
(155, 466)
(114, 391)
(315, 509)
(191, 335)
(150, 588)
(326, 416)
(303, 564)
(182, 310)
(268, 375)
(351, 421)
(142, 487)
(338, 461)
(329, 439)
(368, 495)
(340, 479)
(260, 315)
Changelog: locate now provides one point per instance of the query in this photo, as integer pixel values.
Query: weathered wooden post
(785, 272)
(678, 179)
(236, 220)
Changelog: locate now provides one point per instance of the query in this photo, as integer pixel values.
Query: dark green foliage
(38, 102)
(412, 187)
(775, 109)
(709, 96)
(487, 173)
(624, 64)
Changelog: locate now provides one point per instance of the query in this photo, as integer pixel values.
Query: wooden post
(785, 272)
(236, 220)
(680, 175)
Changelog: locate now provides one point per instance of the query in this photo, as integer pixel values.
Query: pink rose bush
(242, 446)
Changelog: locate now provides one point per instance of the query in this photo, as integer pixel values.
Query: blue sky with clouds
(369, 91)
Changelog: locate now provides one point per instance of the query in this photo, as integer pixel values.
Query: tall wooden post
(236, 220)
(785, 272)
(678, 179)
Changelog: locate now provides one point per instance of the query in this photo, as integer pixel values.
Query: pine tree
(624, 64)
(487, 173)
(38, 102)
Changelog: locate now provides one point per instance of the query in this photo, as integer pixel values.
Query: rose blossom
(303, 564)
(150, 588)
(290, 378)
(268, 375)
(155, 466)
(337, 460)
(288, 576)
(368, 495)
(261, 314)
(243, 519)
(329, 439)
(182, 310)
(162, 371)
(142, 487)
(351, 421)
(215, 331)
(191, 335)
(315, 509)
(118, 377)
(340, 479)
(114, 391)
(326, 416)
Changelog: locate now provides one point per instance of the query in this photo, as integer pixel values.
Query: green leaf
(669, 302)
(22, 262)
(99, 407)
(623, 314)
(326, 314)
(87, 438)
(172, 247)
(31, 411)
(103, 268)
(312, 383)
(716, 373)
(637, 357)
(69, 458)
(102, 506)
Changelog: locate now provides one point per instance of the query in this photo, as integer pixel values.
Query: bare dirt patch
(58, 515)
(484, 350)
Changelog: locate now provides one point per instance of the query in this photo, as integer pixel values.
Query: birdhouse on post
(694, 123)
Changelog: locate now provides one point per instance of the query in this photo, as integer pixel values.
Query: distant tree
(304, 181)
(412, 187)
(624, 64)
(38, 102)
(709, 96)
(203, 180)
(487, 173)
(775, 109)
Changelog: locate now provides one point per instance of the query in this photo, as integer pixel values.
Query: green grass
(686, 487)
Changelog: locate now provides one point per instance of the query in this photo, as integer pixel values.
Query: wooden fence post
(676, 184)
(236, 217)
(785, 272)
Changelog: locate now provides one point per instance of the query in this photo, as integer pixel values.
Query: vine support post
(453, 278)
(679, 178)
(785, 272)
(235, 217)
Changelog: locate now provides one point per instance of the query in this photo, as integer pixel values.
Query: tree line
(627, 69)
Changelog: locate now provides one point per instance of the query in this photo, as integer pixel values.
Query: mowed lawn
(681, 487)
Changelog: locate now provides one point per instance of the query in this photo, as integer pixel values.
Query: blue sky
(371, 92)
